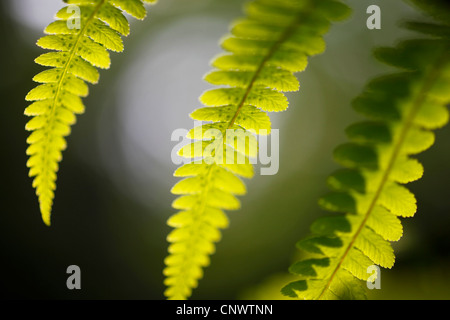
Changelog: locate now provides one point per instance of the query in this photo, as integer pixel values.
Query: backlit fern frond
(80, 40)
(402, 109)
(264, 51)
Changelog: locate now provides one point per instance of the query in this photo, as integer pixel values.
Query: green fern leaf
(369, 193)
(56, 101)
(263, 52)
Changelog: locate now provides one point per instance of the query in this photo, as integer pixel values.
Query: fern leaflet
(264, 51)
(78, 50)
(403, 108)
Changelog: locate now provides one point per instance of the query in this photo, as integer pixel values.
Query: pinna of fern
(369, 193)
(264, 51)
(80, 44)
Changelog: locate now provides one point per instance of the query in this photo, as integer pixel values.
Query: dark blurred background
(113, 196)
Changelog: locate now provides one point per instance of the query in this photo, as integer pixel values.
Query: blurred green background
(113, 195)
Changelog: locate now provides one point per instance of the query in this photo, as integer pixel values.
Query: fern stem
(72, 54)
(51, 117)
(202, 205)
(428, 83)
(284, 36)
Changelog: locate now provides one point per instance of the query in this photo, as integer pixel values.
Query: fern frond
(77, 52)
(264, 51)
(402, 109)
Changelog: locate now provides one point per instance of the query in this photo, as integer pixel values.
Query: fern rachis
(403, 107)
(57, 98)
(265, 49)
(394, 156)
